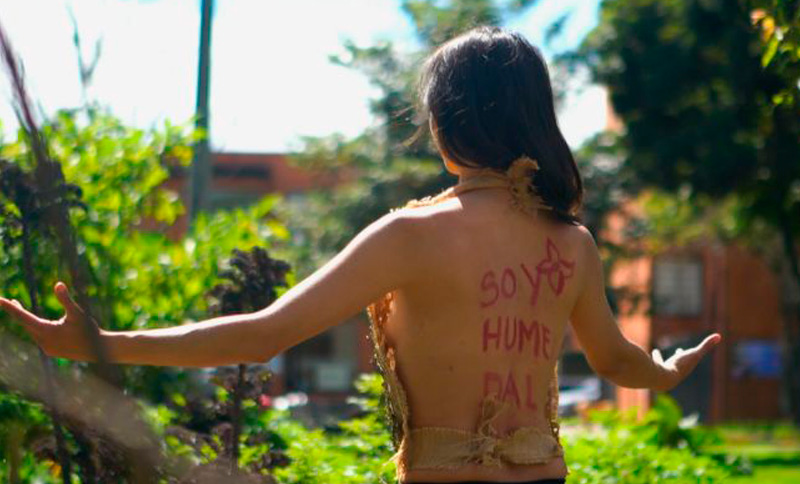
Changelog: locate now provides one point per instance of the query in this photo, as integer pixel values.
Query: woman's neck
(469, 175)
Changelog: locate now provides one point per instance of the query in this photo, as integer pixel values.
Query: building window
(677, 287)
(254, 172)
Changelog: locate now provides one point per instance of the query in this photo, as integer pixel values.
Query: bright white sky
(271, 79)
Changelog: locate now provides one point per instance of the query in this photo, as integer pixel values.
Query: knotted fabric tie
(487, 449)
(450, 448)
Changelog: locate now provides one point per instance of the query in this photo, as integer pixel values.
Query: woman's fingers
(19, 313)
(15, 309)
(70, 306)
(708, 344)
(683, 362)
(697, 353)
(657, 356)
(687, 360)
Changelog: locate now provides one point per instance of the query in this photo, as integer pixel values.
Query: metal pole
(200, 174)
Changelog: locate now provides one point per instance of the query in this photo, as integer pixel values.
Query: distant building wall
(754, 319)
(740, 298)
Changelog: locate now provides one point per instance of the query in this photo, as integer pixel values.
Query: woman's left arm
(376, 261)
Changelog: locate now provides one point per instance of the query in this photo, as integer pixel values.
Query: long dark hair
(488, 94)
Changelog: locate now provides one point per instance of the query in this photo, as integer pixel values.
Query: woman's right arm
(610, 354)
(383, 257)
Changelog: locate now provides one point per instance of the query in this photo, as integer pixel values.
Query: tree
(707, 91)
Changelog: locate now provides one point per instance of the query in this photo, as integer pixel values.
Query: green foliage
(139, 277)
(198, 426)
(663, 447)
(142, 277)
(682, 123)
(623, 451)
(779, 21)
(620, 457)
(710, 126)
(599, 160)
(21, 422)
(761, 432)
(664, 425)
(707, 95)
(166, 281)
(358, 452)
(760, 445)
(679, 219)
(24, 425)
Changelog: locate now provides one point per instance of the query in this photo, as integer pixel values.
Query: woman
(474, 287)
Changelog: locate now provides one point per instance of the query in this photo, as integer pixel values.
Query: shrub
(623, 451)
(664, 446)
(620, 456)
(358, 453)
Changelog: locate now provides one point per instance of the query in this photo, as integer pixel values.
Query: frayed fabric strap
(518, 179)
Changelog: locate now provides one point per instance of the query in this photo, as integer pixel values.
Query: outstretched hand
(63, 338)
(683, 362)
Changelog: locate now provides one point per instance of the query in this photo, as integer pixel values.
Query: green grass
(761, 454)
(770, 474)
(776, 433)
(773, 450)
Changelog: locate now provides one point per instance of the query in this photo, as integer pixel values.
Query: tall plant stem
(236, 418)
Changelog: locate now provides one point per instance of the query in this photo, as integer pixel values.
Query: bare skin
(436, 259)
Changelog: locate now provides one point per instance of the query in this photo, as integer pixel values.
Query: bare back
(485, 317)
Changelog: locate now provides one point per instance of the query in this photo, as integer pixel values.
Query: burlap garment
(449, 448)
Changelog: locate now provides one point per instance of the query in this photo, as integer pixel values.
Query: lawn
(770, 474)
(774, 451)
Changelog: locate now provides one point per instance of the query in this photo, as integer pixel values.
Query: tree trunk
(791, 364)
(200, 174)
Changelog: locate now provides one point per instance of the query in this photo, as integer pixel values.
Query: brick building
(677, 297)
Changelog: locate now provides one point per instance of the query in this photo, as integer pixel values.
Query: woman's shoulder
(580, 236)
(578, 241)
(410, 226)
(419, 214)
